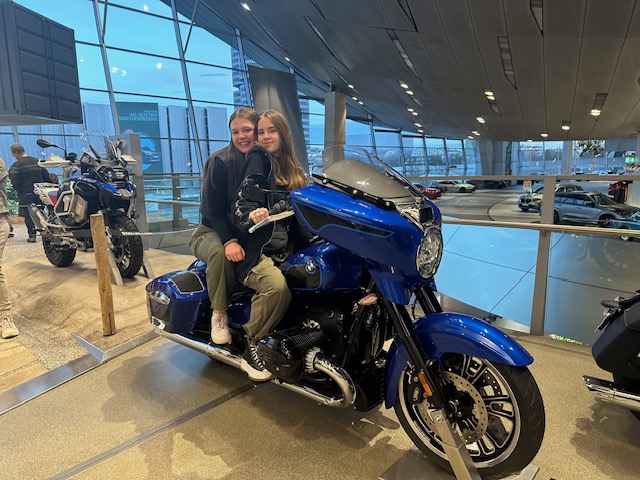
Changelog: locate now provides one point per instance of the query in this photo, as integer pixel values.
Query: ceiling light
(480, 119)
(566, 126)
(420, 130)
(414, 113)
(287, 59)
(529, 140)
(417, 125)
(404, 85)
(598, 103)
(490, 97)
(595, 112)
(544, 135)
(409, 109)
(355, 98)
(488, 93)
(246, 7)
(470, 137)
(475, 132)
(350, 86)
(360, 102)
(409, 92)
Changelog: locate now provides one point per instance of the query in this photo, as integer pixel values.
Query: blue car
(629, 223)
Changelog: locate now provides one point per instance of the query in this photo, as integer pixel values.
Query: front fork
(452, 444)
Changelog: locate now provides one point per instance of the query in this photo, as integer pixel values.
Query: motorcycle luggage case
(178, 301)
(619, 344)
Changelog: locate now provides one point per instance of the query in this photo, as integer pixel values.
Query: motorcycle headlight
(107, 173)
(429, 252)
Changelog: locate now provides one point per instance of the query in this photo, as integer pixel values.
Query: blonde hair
(287, 169)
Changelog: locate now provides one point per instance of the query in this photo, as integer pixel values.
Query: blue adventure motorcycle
(349, 338)
(98, 182)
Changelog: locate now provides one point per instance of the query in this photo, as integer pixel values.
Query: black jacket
(23, 174)
(217, 197)
(276, 240)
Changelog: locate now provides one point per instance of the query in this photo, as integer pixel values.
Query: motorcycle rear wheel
(498, 411)
(59, 256)
(127, 250)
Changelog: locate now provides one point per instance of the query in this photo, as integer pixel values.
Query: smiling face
(268, 135)
(242, 134)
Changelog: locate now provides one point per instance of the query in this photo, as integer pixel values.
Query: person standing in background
(6, 322)
(24, 173)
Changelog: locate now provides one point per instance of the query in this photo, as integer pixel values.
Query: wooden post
(101, 253)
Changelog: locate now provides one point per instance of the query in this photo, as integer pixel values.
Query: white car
(455, 186)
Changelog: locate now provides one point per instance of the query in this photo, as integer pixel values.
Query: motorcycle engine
(283, 352)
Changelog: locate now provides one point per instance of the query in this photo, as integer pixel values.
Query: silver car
(533, 200)
(594, 208)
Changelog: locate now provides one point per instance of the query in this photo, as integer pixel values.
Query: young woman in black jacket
(273, 165)
(215, 240)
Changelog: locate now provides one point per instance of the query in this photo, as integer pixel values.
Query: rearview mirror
(42, 143)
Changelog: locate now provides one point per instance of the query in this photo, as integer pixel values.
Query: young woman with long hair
(215, 240)
(273, 165)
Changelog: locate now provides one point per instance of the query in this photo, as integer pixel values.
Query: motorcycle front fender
(441, 333)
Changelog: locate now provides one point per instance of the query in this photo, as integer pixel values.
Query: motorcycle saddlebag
(177, 302)
(616, 350)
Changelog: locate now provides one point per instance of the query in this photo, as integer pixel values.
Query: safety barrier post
(101, 252)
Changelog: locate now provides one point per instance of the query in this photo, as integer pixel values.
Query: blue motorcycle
(365, 326)
(97, 182)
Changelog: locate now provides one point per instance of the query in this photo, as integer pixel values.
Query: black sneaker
(252, 365)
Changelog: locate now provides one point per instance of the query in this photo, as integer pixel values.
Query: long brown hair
(287, 169)
(235, 158)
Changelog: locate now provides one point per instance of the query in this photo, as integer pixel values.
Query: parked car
(589, 208)
(495, 184)
(454, 186)
(533, 200)
(630, 223)
(431, 192)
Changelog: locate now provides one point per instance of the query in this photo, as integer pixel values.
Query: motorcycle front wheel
(127, 249)
(58, 255)
(497, 410)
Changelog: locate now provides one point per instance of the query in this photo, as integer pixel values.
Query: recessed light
(355, 98)
(420, 130)
(544, 135)
(409, 109)
(414, 113)
(470, 137)
(566, 128)
(595, 112)
(529, 140)
(417, 125)
(488, 93)
(246, 7)
(360, 102)
(350, 86)
(287, 59)
(491, 97)
(480, 119)
(409, 92)
(404, 85)
(475, 132)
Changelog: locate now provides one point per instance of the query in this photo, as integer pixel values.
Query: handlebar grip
(281, 206)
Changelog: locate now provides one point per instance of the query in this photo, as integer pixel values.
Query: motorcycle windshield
(98, 145)
(358, 169)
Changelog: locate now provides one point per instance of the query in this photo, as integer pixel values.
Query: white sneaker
(9, 328)
(220, 333)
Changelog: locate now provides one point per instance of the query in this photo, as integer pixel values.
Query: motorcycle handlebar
(623, 303)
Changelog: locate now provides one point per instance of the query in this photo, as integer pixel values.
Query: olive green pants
(206, 246)
(271, 300)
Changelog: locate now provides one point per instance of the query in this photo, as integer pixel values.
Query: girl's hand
(258, 214)
(234, 252)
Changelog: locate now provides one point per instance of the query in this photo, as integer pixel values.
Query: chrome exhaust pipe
(38, 217)
(611, 393)
(320, 363)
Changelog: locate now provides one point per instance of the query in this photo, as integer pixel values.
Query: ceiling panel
(585, 47)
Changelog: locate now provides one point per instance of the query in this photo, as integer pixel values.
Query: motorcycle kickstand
(455, 449)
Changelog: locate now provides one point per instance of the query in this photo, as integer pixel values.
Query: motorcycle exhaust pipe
(39, 220)
(609, 392)
(320, 363)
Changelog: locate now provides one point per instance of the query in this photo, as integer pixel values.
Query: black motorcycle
(100, 183)
(617, 351)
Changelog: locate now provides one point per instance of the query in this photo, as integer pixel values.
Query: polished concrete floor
(163, 411)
